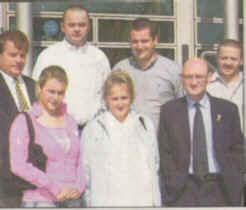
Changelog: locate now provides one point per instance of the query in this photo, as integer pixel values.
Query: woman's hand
(67, 193)
(74, 194)
(63, 194)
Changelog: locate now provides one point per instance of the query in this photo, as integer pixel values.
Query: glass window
(210, 33)
(36, 52)
(48, 29)
(154, 7)
(118, 31)
(214, 8)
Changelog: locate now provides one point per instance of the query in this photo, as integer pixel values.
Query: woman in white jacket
(120, 151)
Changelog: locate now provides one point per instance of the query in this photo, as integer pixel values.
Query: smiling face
(229, 61)
(195, 78)
(143, 46)
(12, 60)
(76, 26)
(119, 101)
(51, 96)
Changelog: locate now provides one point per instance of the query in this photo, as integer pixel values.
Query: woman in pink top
(63, 182)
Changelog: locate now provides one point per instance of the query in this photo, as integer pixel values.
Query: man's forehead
(72, 12)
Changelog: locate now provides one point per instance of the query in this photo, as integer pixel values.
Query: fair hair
(119, 77)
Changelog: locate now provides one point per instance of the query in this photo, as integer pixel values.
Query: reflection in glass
(155, 7)
(12, 23)
(210, 33)
(214, 8)
(118, 31)
(48, 29)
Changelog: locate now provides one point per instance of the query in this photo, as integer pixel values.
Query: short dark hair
(231, 43)
(17, 37)
(143, 23)
(75, 7)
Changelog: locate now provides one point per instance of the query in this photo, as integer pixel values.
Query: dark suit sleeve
(234, 160)
(172, 178)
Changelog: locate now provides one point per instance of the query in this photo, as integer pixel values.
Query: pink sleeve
(81, 181)
(18, 149)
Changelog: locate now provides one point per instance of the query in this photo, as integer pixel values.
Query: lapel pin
(218, 118)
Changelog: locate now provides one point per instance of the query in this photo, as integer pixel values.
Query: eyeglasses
(196, 76)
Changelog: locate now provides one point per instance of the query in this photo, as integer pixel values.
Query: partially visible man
(156, 78)
(201, 145)
(227, 82)
(17, 92)
(87, 66)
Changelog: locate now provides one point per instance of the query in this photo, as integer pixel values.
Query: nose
(194, 80)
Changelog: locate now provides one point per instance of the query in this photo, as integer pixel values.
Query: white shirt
(121, 162)
(87, 68)
(10, 81)
(233, 92)
(207, 120)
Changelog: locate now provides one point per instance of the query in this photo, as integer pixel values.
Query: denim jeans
(71, 203)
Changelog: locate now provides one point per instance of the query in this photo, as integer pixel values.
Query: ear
(241, 61)
(181, 77)
(156, 39)
(62, 26)
(210, 74)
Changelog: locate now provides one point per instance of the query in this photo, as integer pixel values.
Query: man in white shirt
(227, 83)
(13, 50)
(86, 65)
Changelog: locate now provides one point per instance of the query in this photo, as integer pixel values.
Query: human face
(195, 78)
(229, 61)
(76, 27)
(51, 96)
(143, 47)
(119, 101)
(12, 60)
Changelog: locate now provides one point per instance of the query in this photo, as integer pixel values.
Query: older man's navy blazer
(174, 144)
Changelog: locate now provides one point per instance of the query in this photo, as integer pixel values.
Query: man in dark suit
(13, 50)
(201, 145)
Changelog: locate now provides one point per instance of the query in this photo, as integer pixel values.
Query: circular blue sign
(50, 27)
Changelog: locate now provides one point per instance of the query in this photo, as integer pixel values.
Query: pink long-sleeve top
(63, 168)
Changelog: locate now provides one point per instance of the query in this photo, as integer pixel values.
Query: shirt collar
(38, 110)
(133, 62)
(71, 47)
(9, 79)
(216, 77)
(204, 102)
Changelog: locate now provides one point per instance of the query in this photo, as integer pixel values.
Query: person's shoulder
(168, 64)
(222, 102)
(166, 60)
(54, 48)
(122, 63)
(28, 79)
(175, 102)
(96, 123)
(95, 51)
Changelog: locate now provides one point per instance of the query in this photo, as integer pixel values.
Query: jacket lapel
(182, 113)
(7, 100)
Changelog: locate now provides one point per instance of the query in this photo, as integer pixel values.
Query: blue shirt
(205, 108)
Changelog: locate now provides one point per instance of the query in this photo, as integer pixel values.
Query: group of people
(146, 134)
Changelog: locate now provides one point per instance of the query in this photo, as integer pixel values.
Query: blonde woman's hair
(119, 77)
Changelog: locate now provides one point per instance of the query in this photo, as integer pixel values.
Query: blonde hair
(119, 77)
(51, 72)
